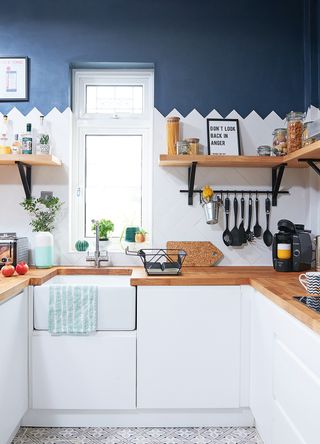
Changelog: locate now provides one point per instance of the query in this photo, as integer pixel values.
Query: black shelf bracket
(312, 164)
(25, 175)
(277, 174)
(191, 178)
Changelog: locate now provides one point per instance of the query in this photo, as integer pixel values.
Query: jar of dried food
(194, 145)
(173, 132)
(294, 130)
(264, 150)
(183, 147)
(279, 142)
(306, 139)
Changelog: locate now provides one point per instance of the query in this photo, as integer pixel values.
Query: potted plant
(106, 227)
(140, 235)
(43, 211)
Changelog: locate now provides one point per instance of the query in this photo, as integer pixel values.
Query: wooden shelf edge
(30, 159)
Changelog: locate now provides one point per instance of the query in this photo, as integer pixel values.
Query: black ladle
(235, 233)
(226, 235)
(257, 229)
(267, 235)
(249, 233)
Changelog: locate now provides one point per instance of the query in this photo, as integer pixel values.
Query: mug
(311, 282)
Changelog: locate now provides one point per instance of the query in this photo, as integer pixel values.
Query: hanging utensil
(226, 235)
(267, 235)
(242, 232)
(249, 233)
(236, 239)
(257, 229)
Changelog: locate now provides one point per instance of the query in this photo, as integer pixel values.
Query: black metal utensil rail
(237, 192)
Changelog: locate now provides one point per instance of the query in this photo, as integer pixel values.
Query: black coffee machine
(292, 247)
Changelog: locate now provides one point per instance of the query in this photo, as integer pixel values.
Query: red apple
(7, 270)
(22, 268)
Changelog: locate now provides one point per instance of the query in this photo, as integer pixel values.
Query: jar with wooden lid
(193, 145)
(173, 132)
(294, 130)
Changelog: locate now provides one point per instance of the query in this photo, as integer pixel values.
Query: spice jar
(183, 147)
(294, 130)
(194, 145)
(279, 142)
(306, 139)
(173, 130)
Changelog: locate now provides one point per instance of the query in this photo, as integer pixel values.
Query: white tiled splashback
(173, 219)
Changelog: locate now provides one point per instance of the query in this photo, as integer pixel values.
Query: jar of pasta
(294, 130)
(173, 132)
(194, 145)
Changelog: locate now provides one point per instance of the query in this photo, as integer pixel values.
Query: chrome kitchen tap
(97, 257)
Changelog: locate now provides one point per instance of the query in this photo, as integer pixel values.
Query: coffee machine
(292, 247)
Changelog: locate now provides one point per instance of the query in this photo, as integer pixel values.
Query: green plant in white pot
(43, 212)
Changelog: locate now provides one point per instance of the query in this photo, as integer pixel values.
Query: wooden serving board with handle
(199, 254)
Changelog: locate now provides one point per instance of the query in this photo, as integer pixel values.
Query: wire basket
(160, 261)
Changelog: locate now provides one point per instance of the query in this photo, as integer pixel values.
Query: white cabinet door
(262, 315)
(188, 347)
(296, 381)
(13, 364)
(78, 372)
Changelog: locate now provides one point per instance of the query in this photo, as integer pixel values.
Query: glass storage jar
(183, 147)
(279, 142)
(194, 145)
(173, 132)
(306, 140)
(294, 130)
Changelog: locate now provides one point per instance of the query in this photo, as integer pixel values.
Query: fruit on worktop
(22, 268)
(82, 245)
(207, 193)
(7, 270)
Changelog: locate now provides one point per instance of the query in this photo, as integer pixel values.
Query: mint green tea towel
(72, 309)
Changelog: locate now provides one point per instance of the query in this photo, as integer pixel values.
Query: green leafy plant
(43, 212)
(106, 227)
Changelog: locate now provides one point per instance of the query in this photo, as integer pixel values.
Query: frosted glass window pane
(113, 181)
(114, 99)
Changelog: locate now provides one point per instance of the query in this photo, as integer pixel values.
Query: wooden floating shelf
(30, 159)
(311, 151)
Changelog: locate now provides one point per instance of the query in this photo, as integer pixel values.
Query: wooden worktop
(278, 287)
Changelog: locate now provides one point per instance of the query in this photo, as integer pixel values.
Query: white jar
(43, 249)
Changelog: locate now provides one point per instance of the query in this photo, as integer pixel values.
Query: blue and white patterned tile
(132, 435)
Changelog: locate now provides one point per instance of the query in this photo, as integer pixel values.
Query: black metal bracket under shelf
(25, 175)
(312, 164)
(277, 174)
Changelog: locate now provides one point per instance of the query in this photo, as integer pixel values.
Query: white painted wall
(173, 219)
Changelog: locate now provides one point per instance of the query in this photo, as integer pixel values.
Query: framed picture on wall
(223, 137)
(14, 81)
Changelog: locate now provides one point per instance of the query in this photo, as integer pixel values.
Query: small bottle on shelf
(4, 137)
(27, 140)
(43, 138)
(16, 146)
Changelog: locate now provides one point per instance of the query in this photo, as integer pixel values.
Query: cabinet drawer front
(297, 392)
(95, 372)
(188, 342)
(284, 431)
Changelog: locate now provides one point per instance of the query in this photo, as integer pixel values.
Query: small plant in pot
(140, 235)
(43, 212)
(106, 227)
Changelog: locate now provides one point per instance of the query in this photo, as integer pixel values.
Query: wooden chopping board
(199, 254)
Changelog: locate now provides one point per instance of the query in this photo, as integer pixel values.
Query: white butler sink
(116, 300)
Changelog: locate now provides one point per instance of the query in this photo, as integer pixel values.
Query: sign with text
(223, 137)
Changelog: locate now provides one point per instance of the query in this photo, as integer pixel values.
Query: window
(112, 150)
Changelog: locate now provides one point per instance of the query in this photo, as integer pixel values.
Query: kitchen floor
(125, 435)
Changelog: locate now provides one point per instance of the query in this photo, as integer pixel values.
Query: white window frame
(107, 124)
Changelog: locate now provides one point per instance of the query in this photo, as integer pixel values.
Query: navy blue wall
(236, 54)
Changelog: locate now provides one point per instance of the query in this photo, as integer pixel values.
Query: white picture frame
(223, 137)
(14, 79)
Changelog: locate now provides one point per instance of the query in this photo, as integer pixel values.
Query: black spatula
(235, 234)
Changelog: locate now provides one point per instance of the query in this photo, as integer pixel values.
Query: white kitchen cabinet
(84, 372)
(13, 364)
(188, 342)
(261, 402)
(285, 375)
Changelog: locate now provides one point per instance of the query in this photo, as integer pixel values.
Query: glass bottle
(43, 138)
(4, 137)
(16, 146)
(294, 130)
(27, 140)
